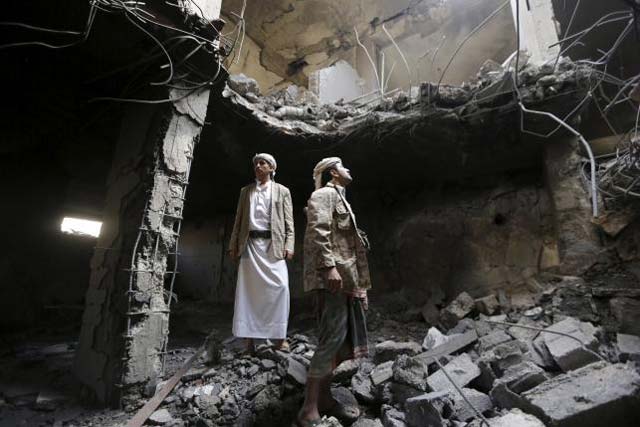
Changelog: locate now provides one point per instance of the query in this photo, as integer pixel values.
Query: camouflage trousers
(342, 330)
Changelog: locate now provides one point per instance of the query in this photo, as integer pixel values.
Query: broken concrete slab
(523, 376)
(345, 370)
(296, 371)
(363, 387)
(382, 373)
(453, 344)
(488, 305)
(160, 417)
(567, 352)
(396, 394)
(496, 337)
(428, 409)
(410, 371)
(514, 418)
(457, 310)
(243, 84)
(392, 417)
(504, 397)
(594, 395)
(461, 369)
(628, 347)
(389, 350)
(461, 409)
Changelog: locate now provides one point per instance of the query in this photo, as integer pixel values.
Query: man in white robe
(263, 238)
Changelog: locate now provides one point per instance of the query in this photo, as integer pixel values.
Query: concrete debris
(392, 417)
(434, 338)
(243, 84)
(461, 409)
(390, 350)
(595, 395)
(461, 369)
(367, 422)
(457, 310)
(347, 408)
(488, 305)
(627, 314)
(382, 373)
(410, 371)
(161, 417)
(428, 409)
(496, 337)
(523, 376)
(513, 418)
(345, 370)
(296, 371)
(628, 347)
(567, 352)
(362, 387)
(454, 343)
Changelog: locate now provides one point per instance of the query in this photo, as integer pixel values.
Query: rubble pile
(297, 111)
(512, 364)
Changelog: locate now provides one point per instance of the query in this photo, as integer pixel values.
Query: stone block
(598, 394)
(628, 347)
(382, 373)
(349, 410)
(243, 84)
(461, 409)
(496, 337)
(567, 352)
(457, 310)
(345, 370)
(363, 388)
(296, 371)
(428, 409)
(160, 417)
(367, 422)
(505, 398)
(392, 417)
(410, 371)
(523, 376)
(461, 369)
(488, 305)
(514, 418)
(389, 350)
(397, 394)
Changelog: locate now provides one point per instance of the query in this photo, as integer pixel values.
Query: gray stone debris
(243, 84)
(428, 409)
(349, 410)
(504, 397)
(161, 417)
(397, 394)
(382, 373)
(488, 305)
(392, 417)
(433, 339)
(267, 397)
(595, 395)
(523, 376)
(362, 387)
(462, 410)
(493, 339)
(367, 422)
(628, 347)
(457, 310)
(461, 369)
(296, 371)
(567, 352)
(345, 370)
(389, 350)
(410, 371)
(513, 418)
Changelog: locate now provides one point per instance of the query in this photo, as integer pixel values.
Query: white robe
(262, 291)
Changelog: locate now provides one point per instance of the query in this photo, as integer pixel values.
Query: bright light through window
(81, 227)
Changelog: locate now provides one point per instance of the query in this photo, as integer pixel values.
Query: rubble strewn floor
(502, 356)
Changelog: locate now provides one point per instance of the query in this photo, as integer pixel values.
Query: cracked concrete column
(537, 29)
(126, 319)
(578, 241)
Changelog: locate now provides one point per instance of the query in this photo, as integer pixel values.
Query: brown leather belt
(260, 234)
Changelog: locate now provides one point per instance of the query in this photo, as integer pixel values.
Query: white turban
(322, 166)
(267, 158)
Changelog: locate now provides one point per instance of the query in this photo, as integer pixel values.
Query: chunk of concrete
(461, 409)
(160, 417)
(487, 305)
(504, 397)
(389, 350)
(595, 395)
(397, 394)
(629, 347)
(457, 310)
(462, 371)
(345, 370)
(496, 337)
(392, 417)
(523, 376)
(363, 387)
(367, 422)
(433, 339)
(348, 411)
(296, 371)
(428, 409)
(243, 84)
(567, 352)
(410, 371)
(514, 418)
(382, 373)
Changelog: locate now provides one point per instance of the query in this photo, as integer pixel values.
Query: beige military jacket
(331, 239)
(282, 229)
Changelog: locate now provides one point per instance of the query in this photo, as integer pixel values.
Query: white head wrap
(322, 166)
(267, 158)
